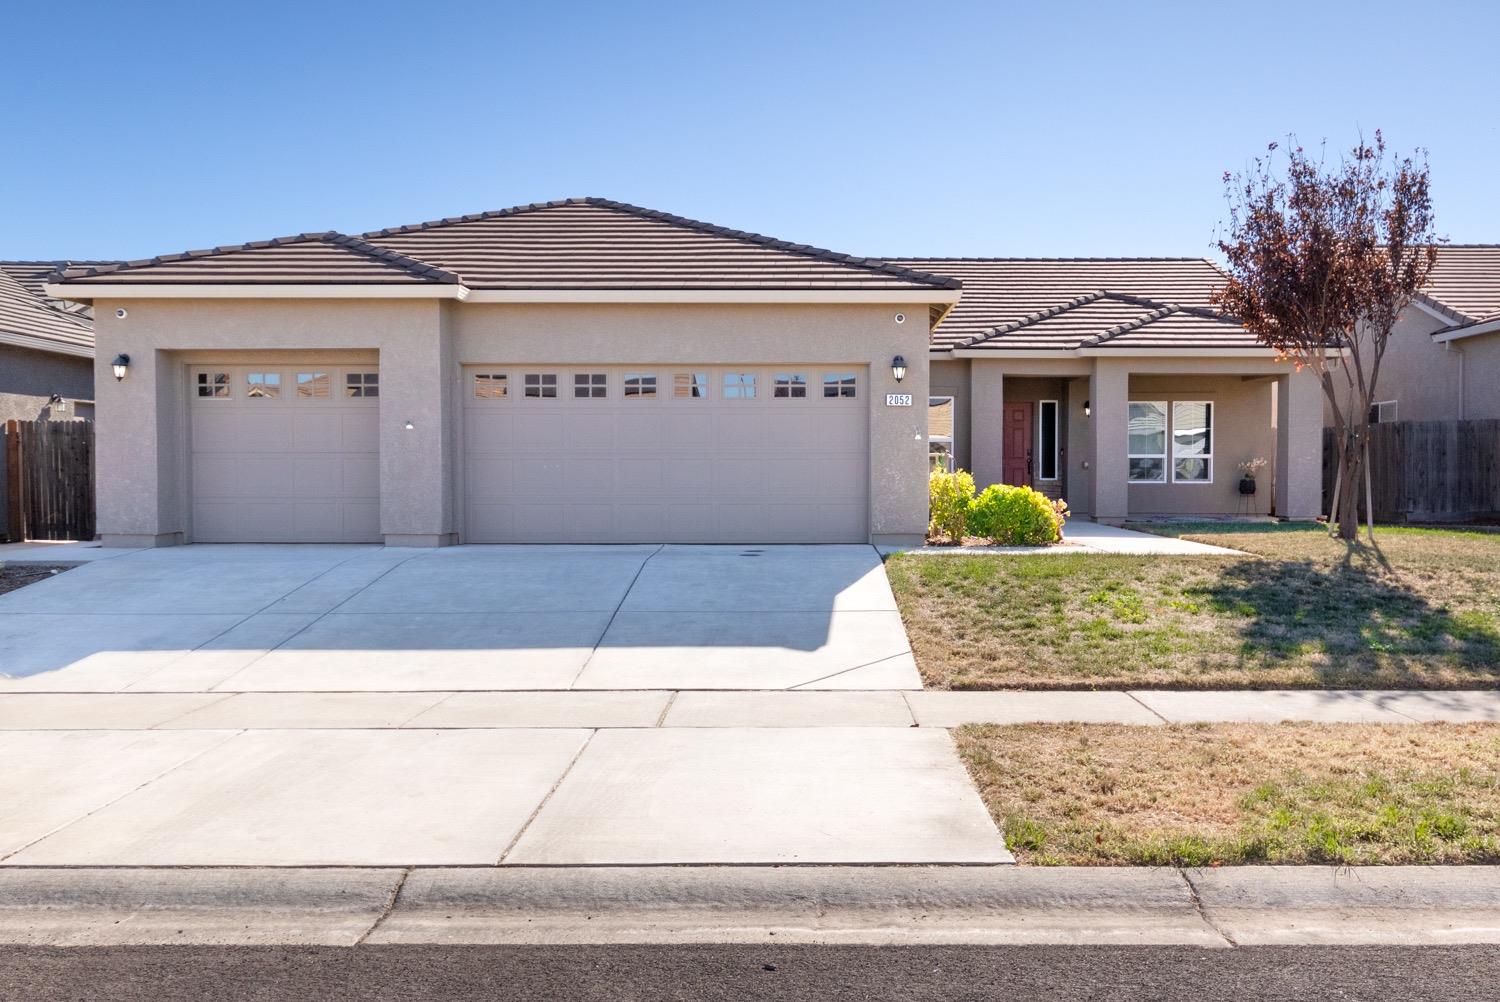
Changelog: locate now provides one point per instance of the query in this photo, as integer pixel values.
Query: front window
(838, 384)
(1192, 441)
(263, 385)
(361, 384)
(739, 385)
(940, 433)
(638, 384)
(1046, 436)
(541, 385)
(1383, 412)
(313, 385)
(790, 384)
(1148, 442)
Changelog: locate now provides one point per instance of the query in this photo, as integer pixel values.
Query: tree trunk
(1351, 466)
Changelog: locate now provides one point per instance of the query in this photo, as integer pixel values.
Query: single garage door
(691, 454)
(285, 453)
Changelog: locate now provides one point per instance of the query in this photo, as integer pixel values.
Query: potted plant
(1248, 469)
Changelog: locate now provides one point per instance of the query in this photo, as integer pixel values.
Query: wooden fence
(49, 480)
(1428, 471)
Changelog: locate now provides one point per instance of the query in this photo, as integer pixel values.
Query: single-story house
(590, 371)
(1442, 362)
(46, 348)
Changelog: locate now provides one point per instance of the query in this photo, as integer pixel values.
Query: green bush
(948, 498)
(1016, 516)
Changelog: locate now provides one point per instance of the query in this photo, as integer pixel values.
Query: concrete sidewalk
(1223, 908)
(1083, 536)
(653, 708)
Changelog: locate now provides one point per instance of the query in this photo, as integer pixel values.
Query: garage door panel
(665, 469)
(282, 469)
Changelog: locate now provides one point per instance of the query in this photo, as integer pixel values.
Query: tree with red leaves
(1321, 262)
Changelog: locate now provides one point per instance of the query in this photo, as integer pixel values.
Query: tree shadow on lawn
(1354, 622)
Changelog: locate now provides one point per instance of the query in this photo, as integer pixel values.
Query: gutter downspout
(1460, 353)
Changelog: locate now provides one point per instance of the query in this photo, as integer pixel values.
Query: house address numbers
(898, 399)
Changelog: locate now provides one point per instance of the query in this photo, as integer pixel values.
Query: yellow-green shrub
(1016, 516)
(948, 498)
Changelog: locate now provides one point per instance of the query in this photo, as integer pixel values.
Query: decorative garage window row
(1190, 441)
(494, 385)
(267, 384)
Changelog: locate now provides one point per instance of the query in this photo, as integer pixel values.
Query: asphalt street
(699, 973)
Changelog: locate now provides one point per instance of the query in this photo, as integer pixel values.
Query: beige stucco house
(1442, 362)
(588, 371)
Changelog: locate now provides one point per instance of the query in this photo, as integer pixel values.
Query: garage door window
(263, 385)
(361, 384)
(541, 384)
(739, 385)
(838, 384)
(690, 385)
(313, 385)
(214, 385)
(638, 384)
(489, 385)
(791, 385)
(589, 385)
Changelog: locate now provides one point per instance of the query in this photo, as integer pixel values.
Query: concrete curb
(713, 904)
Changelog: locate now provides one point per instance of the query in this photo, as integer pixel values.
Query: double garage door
(285, 453)
(691, 454)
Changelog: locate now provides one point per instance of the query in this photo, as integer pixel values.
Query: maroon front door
(1017, 438)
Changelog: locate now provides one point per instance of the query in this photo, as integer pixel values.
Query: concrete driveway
(371, 619)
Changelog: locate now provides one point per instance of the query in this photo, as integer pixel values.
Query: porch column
(1299, 446)
(1109, 400)
(986, 422)
(416, 435)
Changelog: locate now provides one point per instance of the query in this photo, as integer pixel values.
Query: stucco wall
(950, 378)
(422, 345)
(1437, 381)
(29, 378)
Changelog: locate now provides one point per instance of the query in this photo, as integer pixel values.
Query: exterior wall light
(409, 426)
(898, 368)
(122, 363)
(1087, 410)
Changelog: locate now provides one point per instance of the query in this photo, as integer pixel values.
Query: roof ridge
(1164, 310)
(1042, 259)
(805, 250)
(414, 267)
(1032, 318)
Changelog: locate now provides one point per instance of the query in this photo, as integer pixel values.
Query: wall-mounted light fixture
(1087, 409)
(58, 403)
(898, 368)
(122, 364)
(409, 426)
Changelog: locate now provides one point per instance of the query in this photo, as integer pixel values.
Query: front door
(1016, 436)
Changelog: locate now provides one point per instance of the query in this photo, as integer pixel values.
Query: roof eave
(45, 344)
(913, 295)
(1472, 330)
(88, 292)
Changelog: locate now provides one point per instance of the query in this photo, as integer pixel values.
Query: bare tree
(1321, 262)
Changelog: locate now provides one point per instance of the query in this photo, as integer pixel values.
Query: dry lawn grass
(17, 575)
(1421, 610)
(1207, 794)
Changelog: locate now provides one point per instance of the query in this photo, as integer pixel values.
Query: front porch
(1121, 437)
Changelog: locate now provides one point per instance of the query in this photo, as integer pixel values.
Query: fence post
(15, 520)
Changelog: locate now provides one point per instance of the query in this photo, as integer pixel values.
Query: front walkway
(1084, 536)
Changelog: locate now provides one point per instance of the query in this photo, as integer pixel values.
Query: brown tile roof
(34, 275)
(1067, 303)
(596, 243)
(27, 321)
(589, 243)
(1465, 285)
(306, 259)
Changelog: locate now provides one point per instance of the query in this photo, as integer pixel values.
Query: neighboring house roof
(33, 276)
(1465, 288)
(578, 244)
(28, 320)
(1071, 303)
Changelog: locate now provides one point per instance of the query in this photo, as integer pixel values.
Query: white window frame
(362, 388)
(938, 401)
(1056, 441)
(784, 386)
(1207, 457)
(1165, 455)
(1379, 407)
(691, 384)
(541, 386)
(737, 390)
(213, 384)
(845, 385)
(264, 374)
(312, 385)
(489, 381)
(645, 387)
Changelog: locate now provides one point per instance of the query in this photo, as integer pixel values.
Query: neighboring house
(1442, 362)
(588, 371)
(1113, 383)
(46, 348)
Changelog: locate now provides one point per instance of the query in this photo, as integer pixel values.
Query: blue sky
(872, 128)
